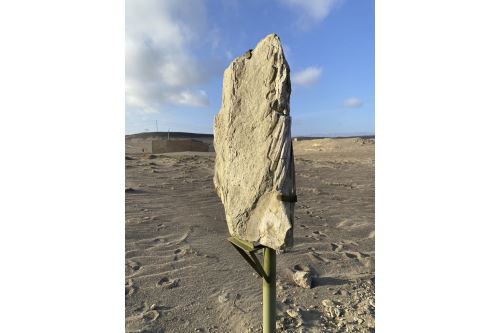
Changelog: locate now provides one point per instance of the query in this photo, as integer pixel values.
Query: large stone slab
(254, 167)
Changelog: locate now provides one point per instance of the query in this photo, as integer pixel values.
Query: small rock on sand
(223, 298)
(330, 309)
(292, 313)
(303, 279)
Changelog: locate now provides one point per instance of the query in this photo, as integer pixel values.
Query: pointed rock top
(270, 42)
(272, 39)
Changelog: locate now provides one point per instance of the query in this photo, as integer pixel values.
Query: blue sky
(176, 53)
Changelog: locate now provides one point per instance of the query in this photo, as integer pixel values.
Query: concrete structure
(137, 146)
(165, 146)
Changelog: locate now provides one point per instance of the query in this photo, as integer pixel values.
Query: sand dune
(183, 276)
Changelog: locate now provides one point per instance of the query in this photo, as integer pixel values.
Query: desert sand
(182, 275)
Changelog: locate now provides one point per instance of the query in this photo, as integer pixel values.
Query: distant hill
(171, 135)
(186, 135)
(300, 138)
(142, 142)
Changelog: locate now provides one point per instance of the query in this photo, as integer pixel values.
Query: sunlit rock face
(254, 167)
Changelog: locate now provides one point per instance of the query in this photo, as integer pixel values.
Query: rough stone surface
(254, 168)
(303, 279)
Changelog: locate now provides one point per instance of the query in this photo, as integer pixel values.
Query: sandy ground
(183, 276)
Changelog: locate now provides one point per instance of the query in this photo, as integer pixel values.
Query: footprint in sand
(185, 251)
(176, 256)
(150, 315)
(317, 235)
(361, 258)
(135, 266)
(130, 288)
(356, 255)
(337, 247)
(165, 282)
(318, 257)
(351, 255)
(159, 240)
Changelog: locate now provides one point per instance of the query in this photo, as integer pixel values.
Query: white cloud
(315, 10)
(190, 98)
(161, 66)
(352, 103)
(307, 77)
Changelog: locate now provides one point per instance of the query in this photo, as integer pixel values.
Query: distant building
(160, 142)
(171, 146)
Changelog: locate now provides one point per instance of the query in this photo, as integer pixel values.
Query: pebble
(327, 303)
(330, 309)
(223, 298)
(303, 279)
(292, 313)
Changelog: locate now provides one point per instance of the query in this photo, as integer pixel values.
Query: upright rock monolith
(254, 167)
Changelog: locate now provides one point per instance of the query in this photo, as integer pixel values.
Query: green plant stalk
(269, 292)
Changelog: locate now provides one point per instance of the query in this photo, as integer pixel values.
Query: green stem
(269, 292)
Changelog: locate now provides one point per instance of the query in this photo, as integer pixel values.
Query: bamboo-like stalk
(269, 292)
